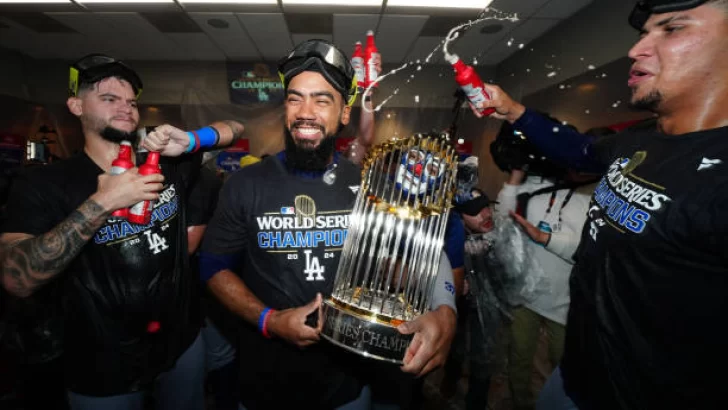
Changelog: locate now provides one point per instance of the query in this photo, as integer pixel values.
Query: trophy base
(363, 335)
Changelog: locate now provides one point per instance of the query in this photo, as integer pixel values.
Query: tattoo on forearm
(235, 127)
(30, 263)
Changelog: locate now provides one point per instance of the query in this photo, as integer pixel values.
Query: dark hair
(512, 150)
(84, 86)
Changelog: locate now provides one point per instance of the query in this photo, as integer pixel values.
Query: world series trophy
(390, 260)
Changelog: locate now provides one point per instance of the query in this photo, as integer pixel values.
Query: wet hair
(88, 86)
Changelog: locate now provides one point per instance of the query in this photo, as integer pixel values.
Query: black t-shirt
(287, 232)
(648, 291)
(125, 277)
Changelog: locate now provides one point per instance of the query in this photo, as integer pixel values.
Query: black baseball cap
(96, 67)
(478, 201)
(644, 8)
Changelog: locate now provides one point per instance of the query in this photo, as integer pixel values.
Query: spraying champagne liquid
(465, 75)
(487, 14)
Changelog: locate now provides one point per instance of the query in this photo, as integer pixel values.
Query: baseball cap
(478, 200)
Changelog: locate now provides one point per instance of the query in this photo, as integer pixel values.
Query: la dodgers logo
(156, 243)
(314, 270)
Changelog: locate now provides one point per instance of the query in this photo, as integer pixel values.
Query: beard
(649, 102)
(116, 136)
(303, 155)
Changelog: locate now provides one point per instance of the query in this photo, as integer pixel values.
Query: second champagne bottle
(141, 212)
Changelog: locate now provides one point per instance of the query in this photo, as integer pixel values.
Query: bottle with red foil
(357, 63)
(370, 59)
(121, 164)
(141, 213)
(470, 82)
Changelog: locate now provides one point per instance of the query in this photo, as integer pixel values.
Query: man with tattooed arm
(125, 312)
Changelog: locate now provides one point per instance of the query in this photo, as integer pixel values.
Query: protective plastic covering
(501, 275)
(525, 278)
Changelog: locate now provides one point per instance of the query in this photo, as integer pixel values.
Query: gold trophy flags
(391, 255)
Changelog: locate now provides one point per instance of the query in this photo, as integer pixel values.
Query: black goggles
(644, 8)
(323, 57)
(96, 67)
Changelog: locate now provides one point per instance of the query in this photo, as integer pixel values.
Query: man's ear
(346, 115)
(75, 105)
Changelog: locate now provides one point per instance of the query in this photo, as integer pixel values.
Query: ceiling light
(34, 1)
(459, 4)
(229, 1)
(124, 1)
(333, 2)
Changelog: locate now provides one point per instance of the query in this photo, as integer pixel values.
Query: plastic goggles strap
(352, 91)
(96, 62)
(73, 82)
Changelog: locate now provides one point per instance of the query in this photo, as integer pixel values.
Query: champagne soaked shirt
(648, 288)
(127, 279)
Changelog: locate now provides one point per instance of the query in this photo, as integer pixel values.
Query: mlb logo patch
(288, 210)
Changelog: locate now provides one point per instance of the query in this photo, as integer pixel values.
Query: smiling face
(680, 60)
(314, 110)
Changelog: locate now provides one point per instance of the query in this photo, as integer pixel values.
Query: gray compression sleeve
(444, 292)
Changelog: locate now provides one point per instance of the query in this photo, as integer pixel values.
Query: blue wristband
(261, 319)
(208, 137)
(192, 142)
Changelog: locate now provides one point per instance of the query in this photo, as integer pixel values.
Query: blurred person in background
(550, 204)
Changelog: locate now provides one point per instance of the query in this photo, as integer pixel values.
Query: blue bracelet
(208, 137)
(261, 319)
(192, 142)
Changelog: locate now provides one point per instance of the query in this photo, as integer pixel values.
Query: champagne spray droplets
(487, 14)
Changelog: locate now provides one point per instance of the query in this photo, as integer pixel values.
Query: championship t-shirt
(287, 232)
(128, 303)
(648, 291)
